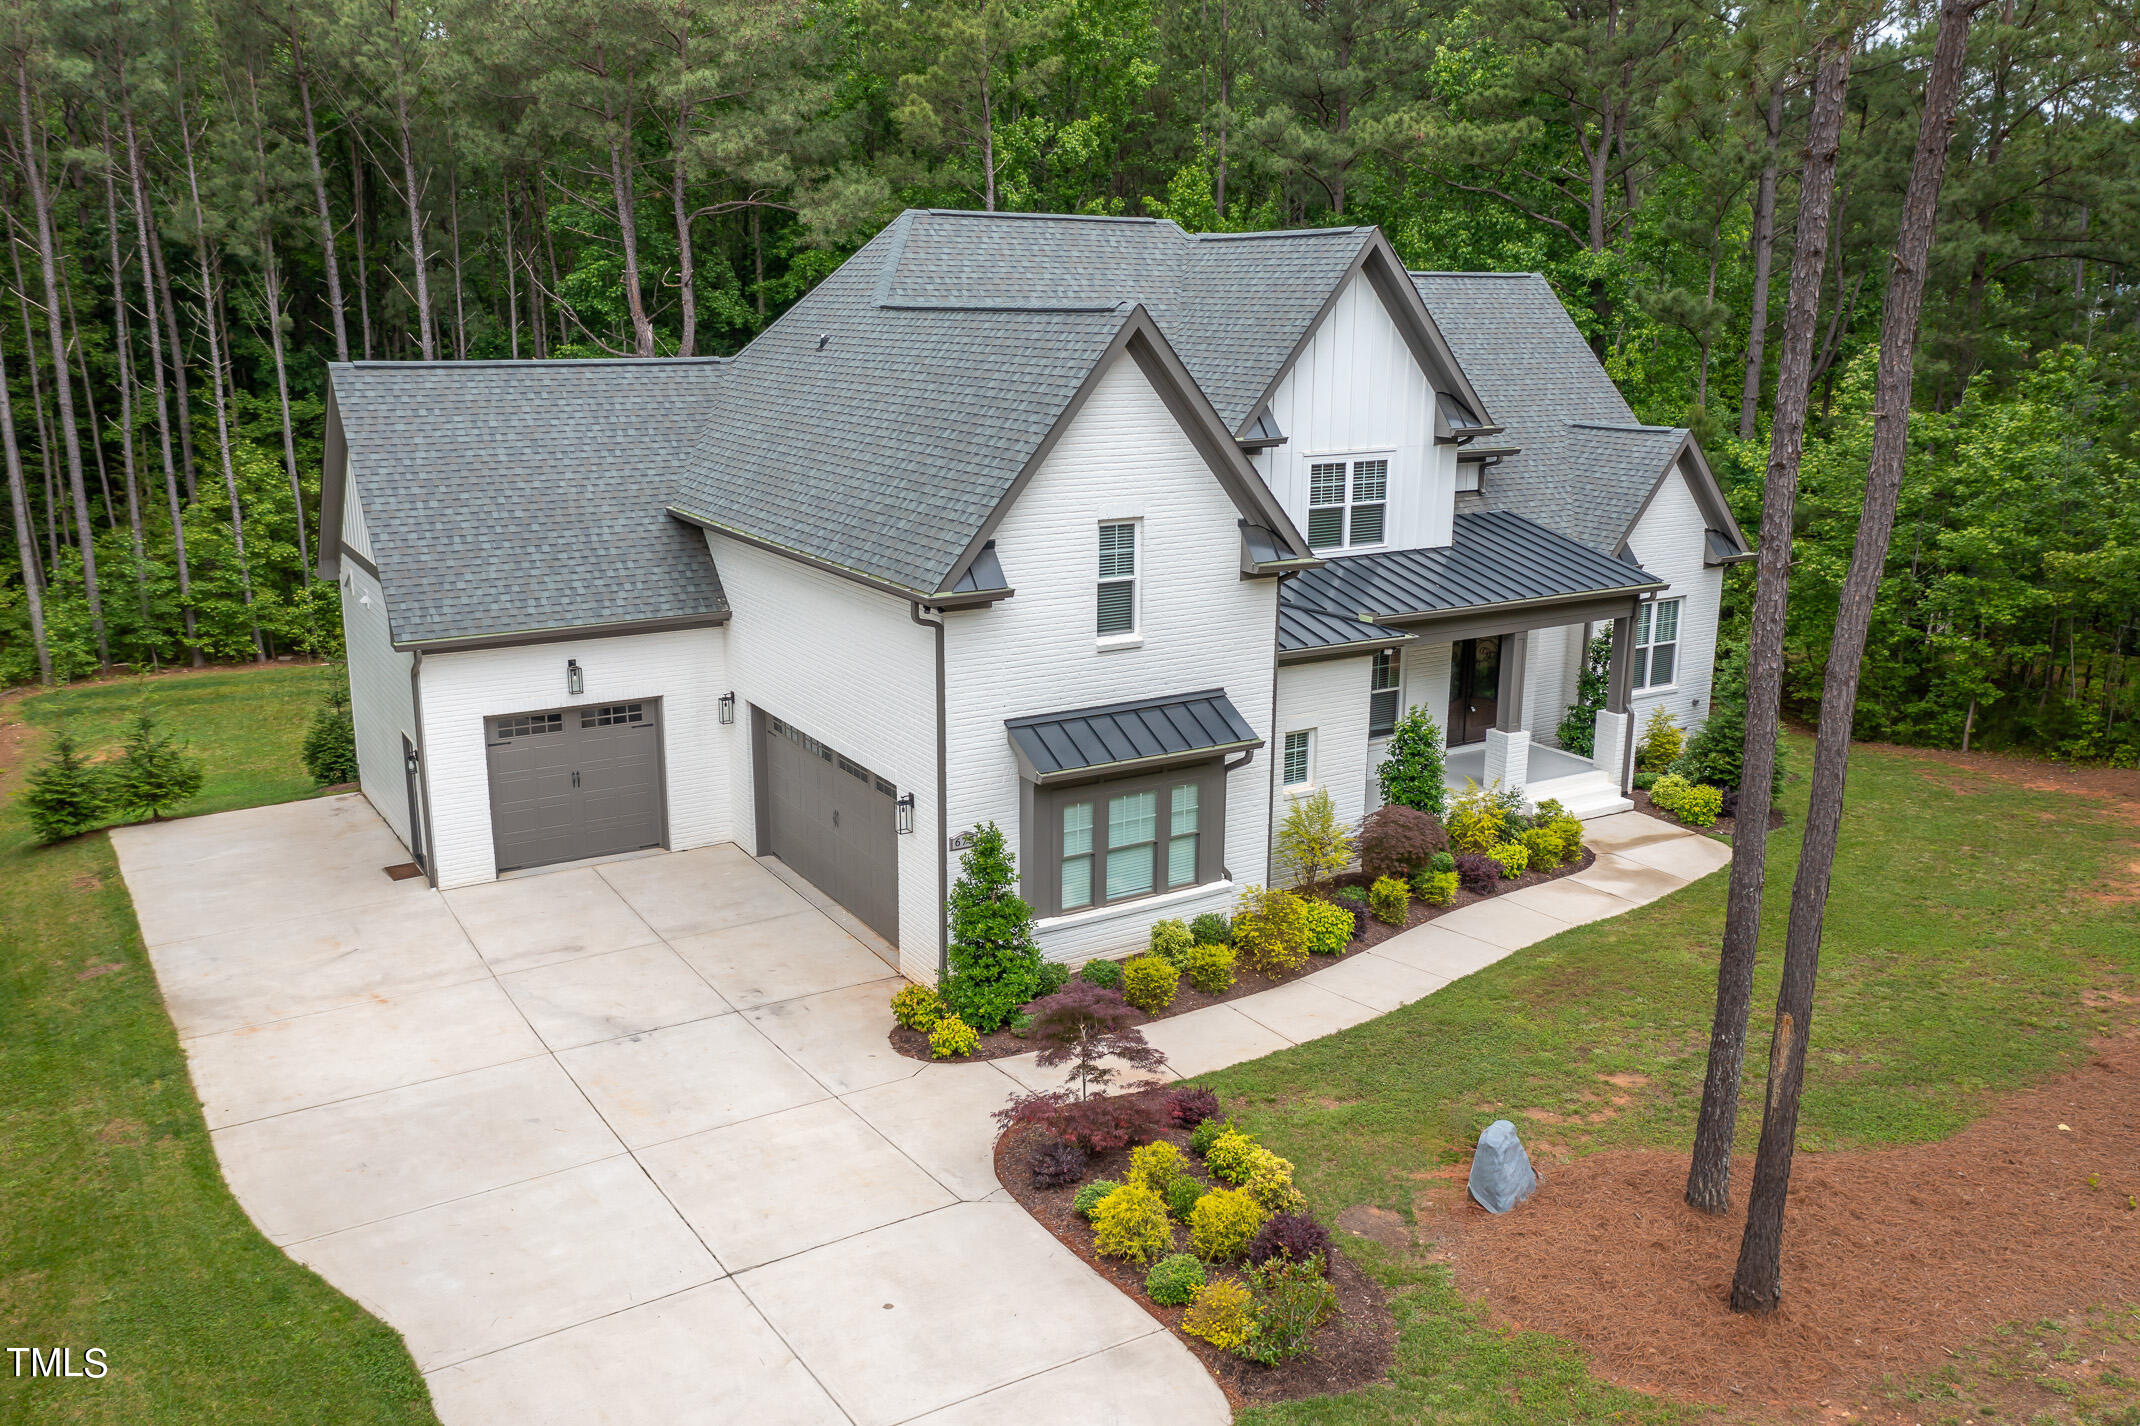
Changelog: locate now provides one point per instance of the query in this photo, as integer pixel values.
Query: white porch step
(1585, 795)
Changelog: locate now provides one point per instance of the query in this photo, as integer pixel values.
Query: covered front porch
(1585, 787)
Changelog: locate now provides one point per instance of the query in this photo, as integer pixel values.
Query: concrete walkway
(626, 1143)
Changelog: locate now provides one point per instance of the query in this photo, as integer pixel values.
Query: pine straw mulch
(1892, 1258)
(1001, 1044)
(1351, 1351)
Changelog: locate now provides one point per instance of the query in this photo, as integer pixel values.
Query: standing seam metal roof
(1112, 734)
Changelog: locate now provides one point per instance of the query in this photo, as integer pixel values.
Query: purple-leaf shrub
(1083, 1026)
(1058, 1164)
(1396, 840)
(1478, 873)
(1191, 1105)
(1097, 1125)
(1290, 1235)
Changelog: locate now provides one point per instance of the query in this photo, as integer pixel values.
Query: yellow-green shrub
(1232, 1156)
(1542, 846)
(1662, 742)
(1389, 901)
(1511, 858)
(1476, 821)
(1149, 983)
(1697, 804)
(1221, 1314)
(1224, 1223)
(1270, 1183)
(1568, 831)
(952, 1037)
(1270, 930)
(1330, 928)
(917, 1007)
(1436, 888)
(1171, 939)
(1156, 1165)
(1209, 968)
(1131, 1223)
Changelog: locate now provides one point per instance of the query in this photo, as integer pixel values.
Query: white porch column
(1610, 756)
(1508, 759)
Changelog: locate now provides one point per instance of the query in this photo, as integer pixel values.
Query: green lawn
(1960, 937)
(118, 1231)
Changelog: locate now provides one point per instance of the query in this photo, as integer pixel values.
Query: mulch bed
(1000, 1044)
(1723, 827)
(1353, 1350)
(1892, 1258)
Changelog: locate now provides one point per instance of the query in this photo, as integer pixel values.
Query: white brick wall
(1553, 663)
(1330, 697)
(379, 699)
(1669, 541)
(849, 667)
(1201, 624)
(684, 668)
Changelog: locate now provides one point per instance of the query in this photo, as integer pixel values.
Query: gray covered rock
(1501, 1174)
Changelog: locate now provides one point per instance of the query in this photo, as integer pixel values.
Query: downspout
(943, 821)
(423, 767)
(1270, 792)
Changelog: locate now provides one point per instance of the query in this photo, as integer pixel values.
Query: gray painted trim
(1345, 651)
(1527, 614)
(1270, 781)
(1701, 482)
(1508, 690)
(359, 561)
(943, 810)
(423, 767)
(761, 794)
(567, 634)
(1154, 762)
(1041, 836)
(1620, 672)
(334, 475)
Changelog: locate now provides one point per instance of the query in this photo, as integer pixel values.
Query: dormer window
(1348, 502)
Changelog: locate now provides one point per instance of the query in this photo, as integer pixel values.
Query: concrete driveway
(625, 1143)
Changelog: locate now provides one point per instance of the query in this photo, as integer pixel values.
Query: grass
(1964, 927)
(119, 1232)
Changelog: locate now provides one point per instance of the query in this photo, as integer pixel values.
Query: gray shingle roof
(506, 497)
(1586, 465)
(1149, 731)
(1496, 558)
(951, 344)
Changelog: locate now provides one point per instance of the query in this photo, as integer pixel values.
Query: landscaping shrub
(66, 795)
(1436, 888)
(1105, 974)
(1716, 754)
(1578, 729)
(1223, 1223)
(1208, 1133)
(1477, 873)
(1221, 1313)
(1174, 1279)
(1171, 941)
(1568, 832)
(1211, 929)
(1131, 1223)
(1290, 1235)
(1542, 846)
(1698, 806)
(1191, 1105)
(1148, 982)
(1396, 840)
(1292, 1299)
(1156, 1165)
(951, 1038)
(1644, 781)
(1330, 928)
(329, 751)
(1209, 968)
(1270, 1183)
(1411, 774)
(1083, 1026)
(1232, 1155)
(1088, 1197)
(1058, 1165)
(1390, 899)
(1053, 976)
(1511, 858)
(1182, 1194)
(1312, 843)
(994, 960)
(917, 1007)
(1477, 821)
(1443, 861)
(1661, 742)
(154, 774)
(1349, 896)
(1270, 930)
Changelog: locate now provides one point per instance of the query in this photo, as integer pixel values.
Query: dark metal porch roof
(1123, 737)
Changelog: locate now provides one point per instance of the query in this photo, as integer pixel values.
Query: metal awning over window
(1129, 737)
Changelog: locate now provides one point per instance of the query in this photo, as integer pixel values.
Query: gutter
(943, 819)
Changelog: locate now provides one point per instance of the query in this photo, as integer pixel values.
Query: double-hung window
(1348, 502)
(1382, 693)
(1118, 578)
(1657, 644)
(1299, 764)
(1117, 841)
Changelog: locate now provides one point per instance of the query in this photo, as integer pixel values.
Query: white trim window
(1117, 586)
(1299, 758)
(1348, 503)
(1382, 680)
(1657, 644)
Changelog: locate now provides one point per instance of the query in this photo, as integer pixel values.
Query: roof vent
(822, 338)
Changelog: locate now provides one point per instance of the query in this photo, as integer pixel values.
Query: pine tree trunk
(329, 261)
(1764, 249)
(1757, 1283)
(685, 267)
(163, 414)
(89, 398)
(512, 271)
(620, 187)
(460, 303)
(271, 272)
(25, 532)
(63, 388)
(122, 347)
(184, 413)
(1709, 1177)
(412, 195)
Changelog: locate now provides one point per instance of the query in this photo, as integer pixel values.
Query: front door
(1474, 684)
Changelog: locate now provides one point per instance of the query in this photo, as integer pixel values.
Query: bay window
(1103, 843)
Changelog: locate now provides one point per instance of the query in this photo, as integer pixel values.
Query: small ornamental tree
(1085, 1026)
(1396, 840)
(1578, 730)
(1312, 842)
(995, 962)
(155, 773)
(330, 747)
(1412, 774)
(67, 795)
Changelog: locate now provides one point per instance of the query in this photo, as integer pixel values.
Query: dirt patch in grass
(2119, 787)
(1352, 1351)
(1893, 1259)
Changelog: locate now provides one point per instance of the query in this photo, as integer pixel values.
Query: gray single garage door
(574, 782)
(834, 822)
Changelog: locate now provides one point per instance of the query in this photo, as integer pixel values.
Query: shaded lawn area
(1967, 925)
(118, 1231)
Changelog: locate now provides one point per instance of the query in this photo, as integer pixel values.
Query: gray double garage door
(570, 783)
(832, 820)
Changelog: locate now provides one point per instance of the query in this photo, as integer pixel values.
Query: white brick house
(1116, 536)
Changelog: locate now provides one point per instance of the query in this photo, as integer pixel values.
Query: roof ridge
(1451, 272)
(1627, 426)
(550, 363)
(1276, 233)
(1051, 217)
